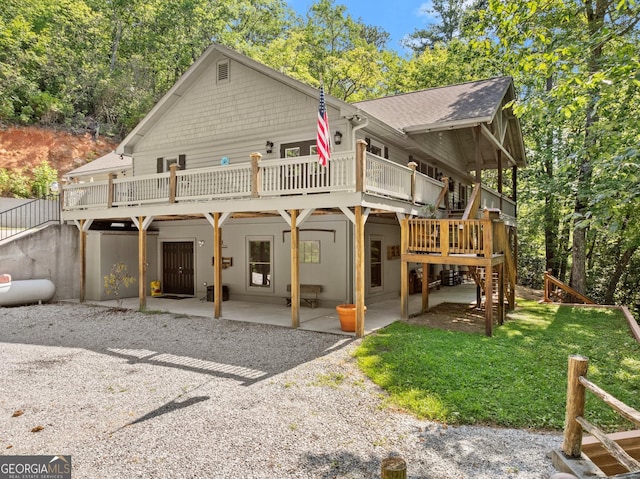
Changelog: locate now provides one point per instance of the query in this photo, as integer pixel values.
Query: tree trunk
(595, 12)
(551, 244)
(621, 266)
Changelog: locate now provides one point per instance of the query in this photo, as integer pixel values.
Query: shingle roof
(466, 102)
(105, 164)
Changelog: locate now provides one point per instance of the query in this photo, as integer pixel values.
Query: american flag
(323, 142)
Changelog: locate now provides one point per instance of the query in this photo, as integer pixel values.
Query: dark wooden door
(177, 267)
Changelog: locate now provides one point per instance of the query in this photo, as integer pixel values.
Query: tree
(117, 279)
(580, 49)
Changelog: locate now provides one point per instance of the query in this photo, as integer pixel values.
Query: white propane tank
(27, 291)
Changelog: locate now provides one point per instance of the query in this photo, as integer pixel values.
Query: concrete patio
(319, 319)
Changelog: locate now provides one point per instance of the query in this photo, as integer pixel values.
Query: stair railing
(29, 215)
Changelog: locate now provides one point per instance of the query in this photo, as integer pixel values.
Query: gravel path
(131, 395)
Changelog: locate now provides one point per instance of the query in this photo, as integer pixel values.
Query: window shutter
(182, 162)
(160, 165)
(368, 140)
(386, 152)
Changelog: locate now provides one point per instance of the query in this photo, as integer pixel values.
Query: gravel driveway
(131, 394)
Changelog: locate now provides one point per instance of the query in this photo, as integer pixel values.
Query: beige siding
(445, 147)
(231, 119)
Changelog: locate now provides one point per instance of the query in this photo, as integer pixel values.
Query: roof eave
(448, 125)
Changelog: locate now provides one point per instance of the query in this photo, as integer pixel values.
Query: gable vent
(223, 71)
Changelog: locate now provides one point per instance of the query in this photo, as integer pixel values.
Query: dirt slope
(26, 147)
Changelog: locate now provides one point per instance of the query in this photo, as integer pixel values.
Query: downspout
(351, 277)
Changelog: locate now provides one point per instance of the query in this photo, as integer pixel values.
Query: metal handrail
(28, 216)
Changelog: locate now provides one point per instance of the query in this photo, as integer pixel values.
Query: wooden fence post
(394, 468)
(572, 445)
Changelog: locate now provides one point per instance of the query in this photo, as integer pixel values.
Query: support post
(142, 263)
(361, 149)
(217, 266)
(83, 261)
(173, 182)
(425, 288)
(572, 444)
(488, 300)
(295, 271)
(404, 269)
(413, 165)
(478, 153)
(256, 177)
(500, 268)
(499, 153)
(110, 191)
(394, 468)
(359, 272)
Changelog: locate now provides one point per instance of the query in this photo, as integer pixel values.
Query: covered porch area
(378, 315)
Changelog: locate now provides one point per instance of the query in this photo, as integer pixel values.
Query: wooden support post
(425, 287)
(110, 191)
(404, 269)
(142, 263)
(173, 182)
(478, 153)
(488, 300)
(487, 234)
(359, 271)
(361, 154)
(82, 239)
(500, 177)
(394, 468)
(572, 444)
(413, 165)
(295, 271)
(444, 237)
(256, 177)
(217, 266)
(500, 268)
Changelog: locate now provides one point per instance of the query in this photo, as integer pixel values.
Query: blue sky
(397, 17)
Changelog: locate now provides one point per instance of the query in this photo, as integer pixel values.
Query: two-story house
(227, 190)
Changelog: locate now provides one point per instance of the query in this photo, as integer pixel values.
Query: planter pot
(347, 316)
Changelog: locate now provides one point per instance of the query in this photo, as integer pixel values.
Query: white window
(260, 254)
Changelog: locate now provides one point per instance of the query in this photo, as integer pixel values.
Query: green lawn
(517, 378)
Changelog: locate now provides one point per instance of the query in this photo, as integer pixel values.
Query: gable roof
(191, 75)
(442, 107)
(105, 164)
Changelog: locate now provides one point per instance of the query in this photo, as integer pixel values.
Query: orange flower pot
(347, 316)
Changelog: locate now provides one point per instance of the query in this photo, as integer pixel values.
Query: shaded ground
(464, 317)
(26, 147)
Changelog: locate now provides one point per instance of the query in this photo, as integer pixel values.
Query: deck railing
(303, 174)
(268, 178)
(451, 236)
(490, 198)
(387, 178)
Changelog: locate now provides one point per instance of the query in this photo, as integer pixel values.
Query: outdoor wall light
(269, 146)
(337, 138)
(201, 243)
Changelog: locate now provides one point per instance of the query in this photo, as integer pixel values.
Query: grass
(517, 378)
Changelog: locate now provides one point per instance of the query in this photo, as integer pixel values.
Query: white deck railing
(86, 195)
(230, 181)
(427, 189)
(269, 178)
(490, 198)
(140, 189)
(303, 174)
(387, 178)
